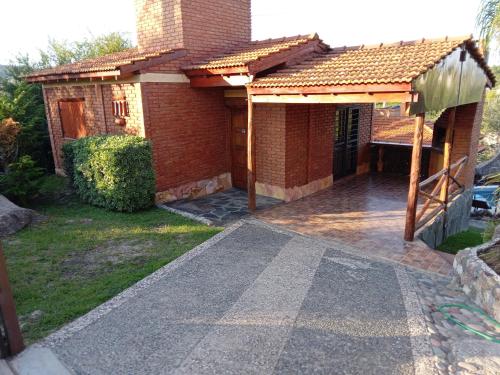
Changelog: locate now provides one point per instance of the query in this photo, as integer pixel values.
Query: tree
(23, 102)
(61, 52)
(488, 21)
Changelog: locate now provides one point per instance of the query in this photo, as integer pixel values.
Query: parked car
(485, 200)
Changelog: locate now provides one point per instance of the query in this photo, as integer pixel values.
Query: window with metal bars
(120, 108)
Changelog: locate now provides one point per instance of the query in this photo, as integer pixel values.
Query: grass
(460, 241)
(82, 256)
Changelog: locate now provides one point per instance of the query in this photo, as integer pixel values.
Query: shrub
(23, 181)
(114, 172)
(9, 130)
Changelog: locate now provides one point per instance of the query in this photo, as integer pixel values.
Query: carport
(447, 75)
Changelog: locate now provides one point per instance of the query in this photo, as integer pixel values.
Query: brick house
(281, 117)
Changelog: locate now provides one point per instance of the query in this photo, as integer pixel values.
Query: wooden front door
(345, 157)
(239, 147)
(71, 112)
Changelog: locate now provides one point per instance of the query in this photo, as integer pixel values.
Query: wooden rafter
(331, 98)
(332, 89)
(67, 77)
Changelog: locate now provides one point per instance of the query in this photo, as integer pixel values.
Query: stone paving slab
(221, 208)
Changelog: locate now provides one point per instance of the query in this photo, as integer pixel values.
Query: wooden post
(416, 156)
(380, 161)
(8, 311)
(252, 204)
(448, 144)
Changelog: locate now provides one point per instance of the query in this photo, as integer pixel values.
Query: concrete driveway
(253, 300)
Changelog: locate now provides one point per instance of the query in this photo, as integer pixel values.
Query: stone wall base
(477, 279)
(297, 192)
(457, 220)
(195, 189)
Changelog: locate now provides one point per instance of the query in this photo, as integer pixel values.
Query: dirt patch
(112, 253)
(492, 258)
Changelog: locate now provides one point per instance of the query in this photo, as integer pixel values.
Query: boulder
(13, 217)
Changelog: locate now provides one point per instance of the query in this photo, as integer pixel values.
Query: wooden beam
(334, 98)
(416, 156)
(448, 144)
(220, 81)
(251, 178)
(380, 161)
(328, 89)
(8, 311)
(216, 71)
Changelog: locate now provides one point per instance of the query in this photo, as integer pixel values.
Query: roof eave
(73, 76)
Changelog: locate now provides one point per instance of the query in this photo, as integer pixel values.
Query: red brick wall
(297, 145)
(322, 122)
(203, 27)
(465, 139)
(97, 120)
(295, 142)
(270, 146)
(188, 129)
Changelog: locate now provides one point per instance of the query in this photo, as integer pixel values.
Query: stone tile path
(457, 351)
(222, 208)
(366, 212)
(255, 300)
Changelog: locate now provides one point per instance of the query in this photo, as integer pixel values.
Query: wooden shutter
(72, 118)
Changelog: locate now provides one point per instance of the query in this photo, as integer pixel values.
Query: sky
(30, 23)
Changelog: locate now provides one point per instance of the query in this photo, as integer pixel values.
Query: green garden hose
(464, 326)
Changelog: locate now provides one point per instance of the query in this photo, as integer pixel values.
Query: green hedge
(114, 172)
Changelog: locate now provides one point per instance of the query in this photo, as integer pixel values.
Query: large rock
(12, 217)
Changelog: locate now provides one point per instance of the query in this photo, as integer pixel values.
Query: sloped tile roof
(252, 51)
(390, 128)
(392, 63)
(103, 63)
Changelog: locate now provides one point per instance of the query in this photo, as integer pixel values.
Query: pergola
(426, 75)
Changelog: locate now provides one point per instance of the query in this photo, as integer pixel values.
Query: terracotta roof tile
(103, 63)
(252, 51)
(392, 63)
(395, 129)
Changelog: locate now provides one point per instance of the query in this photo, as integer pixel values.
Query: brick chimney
(201, 26)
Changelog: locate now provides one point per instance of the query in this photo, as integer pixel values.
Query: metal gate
(345, 152)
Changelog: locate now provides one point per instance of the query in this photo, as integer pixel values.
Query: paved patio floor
(254, 300)
(366, 212)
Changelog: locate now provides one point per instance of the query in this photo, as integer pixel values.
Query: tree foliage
(9, 130)
(488, 21)
(491, 116)
(61, 52)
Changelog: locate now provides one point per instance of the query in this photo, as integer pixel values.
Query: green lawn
(460, 241)
(82, 256)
